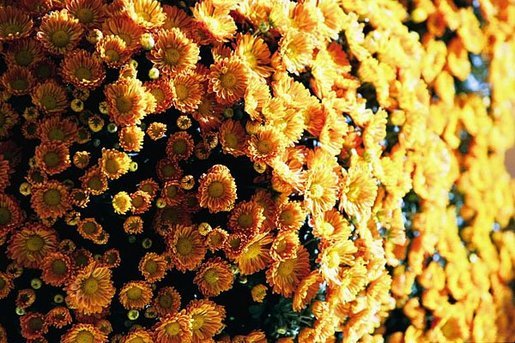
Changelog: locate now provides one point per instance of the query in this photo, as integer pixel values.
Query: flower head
(187, 247)
(217, 189)
(213, 277)
(59, 32)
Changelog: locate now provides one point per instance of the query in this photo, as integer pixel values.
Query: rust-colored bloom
(57, 268)
(153, 267)
(214, 19)
(91, 290)
(124, 28)
(126, 101)
(187, 247)
(11, 214)
(113, 51)
(114, 163)
(50, 97)
(84, 333)
(146, 13)
(214, 277)
(57, 130)
(206, 319)
(228, 80)
(138, 336)
(284, 276)
(187, 92)
(307, 290)
(8, 118)
(94, 181)
(174, 52)
(246, 216)
(167, 301)
(217, 189)
(135, 295)
(90, 13)
(6, 284)
(59, 317)
(59, 32)
(29, 245)
(52, 158)
(18, 80)
(255, 254)
(50, 199)
(82, 69)
(33, 325)
(14, 23)
(173, 328)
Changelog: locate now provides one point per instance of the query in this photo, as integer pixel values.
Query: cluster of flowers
(256, 170)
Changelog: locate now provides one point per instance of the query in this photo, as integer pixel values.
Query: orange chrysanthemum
(206, 319)
(290, 216)
(153, 267)
(84, 333)
(135, 295)
(50, 199)
(179, 146)
(285, 245)
(88, 228)
(114, 163)
(23, 53)
(173, 328)
(82, 69)
(52, 158)
(217, 189)
(233, 138)
(167, 301)
(161, 90)
(216, 239)
(358, 191)
(141, 202)
(33, 325)
(214, 20)
(123, 27)
(18, 80)
(146, 13)
(254, 53)
(131, 138)
(214, 277)
(133, 225)
(113, 51)
(331, 226)
(255, 255)
(228, 80)
(187, 247)
(335, 255)
(126, 101)
(209, 113)
(138, 336)
(94, 181)
(50, 97)
(246, 216)
(284, 276)
(59, 317)
(265, 144)
(29, 245)
(174, 52)
(307, 290)
(14, 23)
(187, 92)
(57, 268)
(90, 13)
(156, 131)
(321, 188)
(91, 290)
(176, 17)
(57, 130)
(59, 32)
(296, 50)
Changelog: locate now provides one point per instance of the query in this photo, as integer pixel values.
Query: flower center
(59, 267)
(52, 197)
(286, 217)
(112, 166)
(112, 55)
(85, 15)
(286, 268)
(95, 183)
(181, 91)
(134, 293)
(197, 322)
(245, 220)
(49, 102)
(232, 140)
(51, 159)
(211, 277)
(12, 28)
(85, 337)
(5, 215)
(316, 191)
(90, 228)
(165, 301)
(172, 56)
(35, 243)
(83, 73)
(184, 246)
(151, 267)
(23, 58)
(56, 134)
(19, 84)
(123, 104)
(35, 324)
(90, 286)
(228, 80)
(264, 147)
(215, 189)
(2, 283)
(172, 329)
(60, 38)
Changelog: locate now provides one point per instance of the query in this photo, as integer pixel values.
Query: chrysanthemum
(126, 101)
(146, 13)
(217, 189)
(358, 191)
(94, 181)
(153, 267)
(14, 23)
(91, 290)
(254, 53)
(125, 28)
(176, 17)
(30, 244)
(59, 317)
(179, 146)
(216, 239)
(18, 80)
(161, 90)
(187, 92)
(50, 199)
(25, 298)
(254, 255)
(167, 301)
(331, 226)
(84, 333)
(33, 325)
(333, 256)
(141, 202)
(50, 97)
(131, 138)
(138, 336)
(285, 276)
(285, 245)
(206, 319)
(168, 169)
(135, 295)
(320, 190)
(52, 158)
(113, 51)
(59, 32)
(8, 118)
(11, 214)
(90, 13)
(307, 290)
(228, 80)
(149, 186)
(173, 328)
(122, 202)
(187, 247)
(88, 228)
(233, 138)
(265, 144)
(214, 277)
(214, 20)
(296, 50)
(246, 216)
(57, 268)
(82, 257)
(174, 52)
(290, 216)
(57, 130)
(114, 163)
(6, 284)
(133, 225)
(82, 69)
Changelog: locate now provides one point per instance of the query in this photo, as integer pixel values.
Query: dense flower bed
(256, 170)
